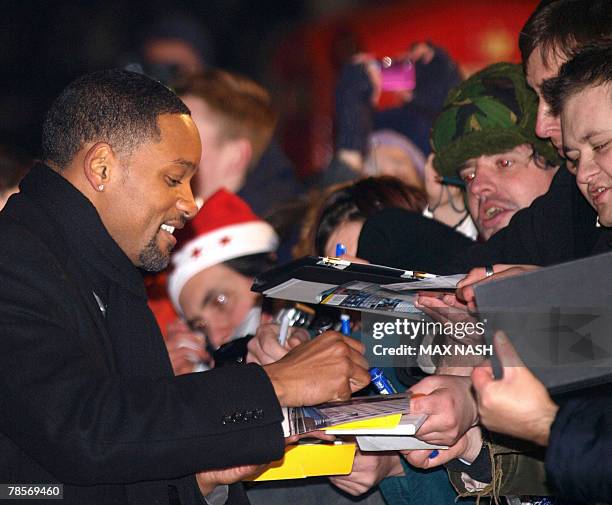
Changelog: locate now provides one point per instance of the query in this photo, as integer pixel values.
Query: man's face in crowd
(499, 185)
(587, 136)
(217, 300)
(151, 195)
(547, 124)
(215, 153)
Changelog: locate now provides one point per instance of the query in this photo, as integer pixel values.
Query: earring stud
(101, 187)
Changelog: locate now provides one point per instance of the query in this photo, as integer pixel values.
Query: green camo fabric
(491, 112)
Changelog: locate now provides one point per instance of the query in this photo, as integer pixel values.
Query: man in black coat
(88, 394)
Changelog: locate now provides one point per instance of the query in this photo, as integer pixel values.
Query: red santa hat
(225, 228)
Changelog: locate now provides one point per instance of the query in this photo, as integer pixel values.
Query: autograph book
(312, 279)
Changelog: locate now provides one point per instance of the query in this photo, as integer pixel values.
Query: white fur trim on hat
(216, 247)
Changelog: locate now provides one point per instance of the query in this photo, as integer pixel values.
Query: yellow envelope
(310, 460)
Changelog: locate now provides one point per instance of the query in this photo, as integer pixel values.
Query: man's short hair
(590, 67)
(113, 106)
(561, 27)
(242, 107)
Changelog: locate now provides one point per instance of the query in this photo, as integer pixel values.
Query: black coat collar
(81, 230)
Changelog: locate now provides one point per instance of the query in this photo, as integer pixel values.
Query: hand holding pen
(265, 347)
(329, 367)
(187, 348)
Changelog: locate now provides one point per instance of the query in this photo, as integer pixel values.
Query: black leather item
(232, 353)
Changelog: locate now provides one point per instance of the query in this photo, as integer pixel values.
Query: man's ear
(99, 164)
(242, 154)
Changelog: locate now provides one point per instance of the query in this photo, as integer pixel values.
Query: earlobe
(98, 164)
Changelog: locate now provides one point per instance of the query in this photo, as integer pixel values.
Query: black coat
(88, 397)
(579, 450)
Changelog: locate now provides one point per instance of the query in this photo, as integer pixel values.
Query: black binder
(304, 279)
(559, 318)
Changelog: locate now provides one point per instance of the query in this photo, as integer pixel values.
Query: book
(300, 420)
(408, 424)
(398, 436)
(393, 443)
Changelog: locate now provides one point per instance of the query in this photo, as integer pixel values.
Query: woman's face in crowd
(217, 299)
(346, 233)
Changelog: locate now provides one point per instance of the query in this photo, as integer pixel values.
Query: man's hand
(447, 309)
(330, 367)
(467, 448)
(368, 470)
(444, 309)
(451, 407)
(518, 404)
(465, 287)
(264, 348)
(210, 479)
(185, 347)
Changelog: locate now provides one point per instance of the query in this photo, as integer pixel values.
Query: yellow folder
(310, 460)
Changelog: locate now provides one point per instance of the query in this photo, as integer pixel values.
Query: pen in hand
(378, 378)
(284, 329)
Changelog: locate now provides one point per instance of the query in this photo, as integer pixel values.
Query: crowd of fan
(528, 153)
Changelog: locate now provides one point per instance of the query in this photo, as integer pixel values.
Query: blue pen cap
(382, 384)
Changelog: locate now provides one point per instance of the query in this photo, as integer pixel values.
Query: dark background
(294, 48)
(46, 44)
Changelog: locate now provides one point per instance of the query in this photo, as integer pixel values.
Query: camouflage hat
(491, 112)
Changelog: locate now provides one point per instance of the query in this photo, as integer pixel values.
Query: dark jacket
(88, 395)
(579, 450)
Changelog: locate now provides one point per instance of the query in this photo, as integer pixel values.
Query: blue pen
(340, 249)
(345, 321)
(382, 384)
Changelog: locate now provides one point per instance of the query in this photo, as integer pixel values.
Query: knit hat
(225, 228)
(392, 138)
(492, 112)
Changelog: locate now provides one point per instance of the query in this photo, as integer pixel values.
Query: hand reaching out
(517, 404)
(368, 470)
(186, 347)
